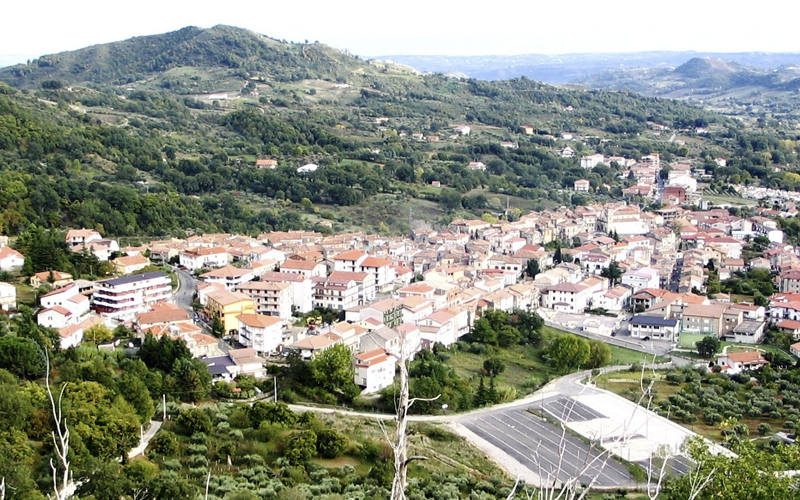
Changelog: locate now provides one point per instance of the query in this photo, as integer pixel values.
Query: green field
(526, 370)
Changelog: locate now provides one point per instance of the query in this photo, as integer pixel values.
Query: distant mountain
(222, 46)
(724, 85)
(574, 68)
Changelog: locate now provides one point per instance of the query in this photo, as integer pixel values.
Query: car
(646, 338)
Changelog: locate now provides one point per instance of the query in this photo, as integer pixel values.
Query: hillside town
(607, 270)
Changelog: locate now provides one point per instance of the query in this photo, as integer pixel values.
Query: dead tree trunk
(60, 440)
(399, 443)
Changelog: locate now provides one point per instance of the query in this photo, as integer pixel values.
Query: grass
(732, 200)
(25, 294)
(688, 340)
(526, 370)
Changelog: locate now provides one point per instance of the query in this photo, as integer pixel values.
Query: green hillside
(127, 136)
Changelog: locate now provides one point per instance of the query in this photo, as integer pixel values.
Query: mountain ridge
(136, 58)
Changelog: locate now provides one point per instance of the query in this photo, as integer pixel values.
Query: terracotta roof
(746, 357)
(225, 298)
(259, 320)
(375, 262)
(132, 260)
(304, 265)
(228, 271)
(372, 357)
(353, 255)
(163, 316)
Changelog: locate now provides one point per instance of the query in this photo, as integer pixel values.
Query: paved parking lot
(545, 449)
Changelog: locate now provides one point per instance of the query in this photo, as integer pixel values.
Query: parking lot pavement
(545, 449)
(569, 410)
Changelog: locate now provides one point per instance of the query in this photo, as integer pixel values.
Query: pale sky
(440, 27)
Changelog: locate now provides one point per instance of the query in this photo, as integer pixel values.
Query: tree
(483, 332)
(568, 352)
(276, 413)
(22, 356)
(302, 446)
(529, 325)
(330, 443)
(165, 443)
(136, 393)
(708, 346)
(162, 353)
(740, 477)
(599, 354)
(451, 199)
(494, 366)
(332, 369)
(99, 334)
(194, 420)
(613, 272)
(188, 380)
(558, 256)
(532, 268)
(507, 336)
(60, 437)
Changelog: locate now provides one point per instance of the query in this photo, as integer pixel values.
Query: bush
(301, 447)
(330, 443)
(173, 464)
(193, 420)
(164, 443)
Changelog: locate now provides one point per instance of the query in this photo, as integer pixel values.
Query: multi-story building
(227, 306)
(302, 288)
(196, 258)
(388, 312)
(704, 319)
(261, 332)
(565, 297)
(374, 370)
(8, 297)
(343, 290)
(229, 276)
(271, 297)
(121, 298)
(654, 327)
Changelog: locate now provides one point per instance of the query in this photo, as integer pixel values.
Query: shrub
(164, 443)
(193, 420)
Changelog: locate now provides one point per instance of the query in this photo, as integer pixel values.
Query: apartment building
(121, 298)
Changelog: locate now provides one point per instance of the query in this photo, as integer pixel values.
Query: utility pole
(164, 407)
(275, 388)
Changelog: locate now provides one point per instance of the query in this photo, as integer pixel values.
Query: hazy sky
(444, 27)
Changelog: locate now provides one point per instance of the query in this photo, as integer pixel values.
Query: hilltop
(159, 135)
(220, 47)
(720, 84)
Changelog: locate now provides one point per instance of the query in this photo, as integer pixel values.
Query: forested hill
(222, 46)
(720, 84)
(152, 155)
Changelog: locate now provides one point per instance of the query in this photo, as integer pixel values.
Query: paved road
(184, 296)
(187, 286)
(145, 439)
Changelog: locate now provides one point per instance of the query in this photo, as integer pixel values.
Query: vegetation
(721, 407)
(150, 158)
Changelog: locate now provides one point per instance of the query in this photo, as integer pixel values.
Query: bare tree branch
(60, 439)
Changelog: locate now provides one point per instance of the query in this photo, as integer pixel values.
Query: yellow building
(227, 306)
